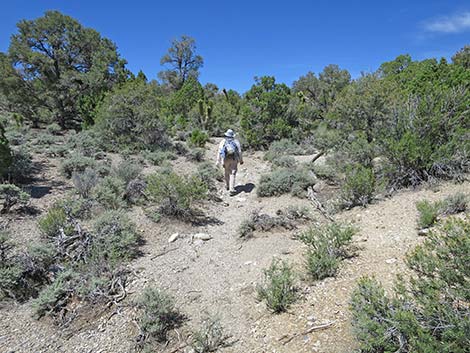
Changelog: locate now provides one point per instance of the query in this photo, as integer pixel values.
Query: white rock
(424, 231)
(202, 236)
(173, 237)
(391, 261)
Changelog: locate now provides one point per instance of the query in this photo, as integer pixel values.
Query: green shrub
(159, 156)
(54, 129)
(86, 143)
(208, 174)
(210, 337)
(21, 166)
(278, 287)
(282, 147)
(55, 220)
(327, 246)
(359, 187)
(454, 204)
(196, 154)
(287, 162)
(12, 196)
(115, 238)
(127, 170)
(428, 213)
(175, 194)
(110, 193)
(283, 180)
(264, 223)
(76, 163)
(198, 138)
(428, 312)
(159, 315)
(85, 181)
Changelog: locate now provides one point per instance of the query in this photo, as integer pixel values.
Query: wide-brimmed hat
(229, 133)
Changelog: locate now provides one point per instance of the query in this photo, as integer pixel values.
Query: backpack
(230, 149)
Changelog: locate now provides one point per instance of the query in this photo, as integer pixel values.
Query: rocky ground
(218, 276)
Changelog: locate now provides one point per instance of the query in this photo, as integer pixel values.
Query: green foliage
(428, 213)
(284, 180)
(5, 153)
(12, 196)
(175, 194)
(85, 181)
(158, 157)
(54, 221)
(127, 170)
(455, 203)
(462, 57)
(210, 337)
(115, 238)
(264, 117)
(198, 138)
(129, 117)
(21, 166)
(359, 186)
(278, 287)
(327, 246)
(196, 155)
(427, 313)
(159, 315)
(183, 60)
(110, 192)
(48, 63)
(209, 175)
(287, 162)
(76, 163)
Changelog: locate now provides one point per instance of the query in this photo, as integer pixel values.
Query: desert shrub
(21, 166)
(196, 154)
(180, 149)
(454, 204)
(21, 274)
(427, 312)
(283, 180)
(54, 129)
(327, 246)
(210, 337)
(76, 163)
(135, 191)
(175, 194)
(127, 170)
(85, 181)
(159, 156)
(53, 221)
(110, 192)
(264, 223)
(359, 186)
(12, 196)
(208, 173)
(295, 212)
(115, 238)
(428, 213)
(86, 143)
(282, 147)
(198, 138)
(278, 288)
(284, 162)
(158, 315)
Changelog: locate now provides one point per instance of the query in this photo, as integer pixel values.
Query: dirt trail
(218, 277)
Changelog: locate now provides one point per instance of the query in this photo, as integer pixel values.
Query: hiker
(229, 155)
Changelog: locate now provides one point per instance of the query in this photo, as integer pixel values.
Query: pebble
(391, 261)
(424, 231)
(202, 236)
(173, 237)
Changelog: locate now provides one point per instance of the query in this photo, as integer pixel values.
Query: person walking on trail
(229, 155)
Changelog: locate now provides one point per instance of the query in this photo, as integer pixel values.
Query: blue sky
(286, 39)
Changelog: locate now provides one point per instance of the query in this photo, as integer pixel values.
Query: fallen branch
(163, 253)
(318, 205)
(318, 155)
(310, 330)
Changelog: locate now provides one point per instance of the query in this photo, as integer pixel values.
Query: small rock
(173, 237)
(202, 236)
(248, 263)
(391, 261)
(241, 199)
(311, 318)
(424, 231)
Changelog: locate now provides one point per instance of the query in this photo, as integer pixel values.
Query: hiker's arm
(240, 149)
(219, 155)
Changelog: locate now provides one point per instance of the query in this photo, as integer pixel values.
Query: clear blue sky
(242, 39)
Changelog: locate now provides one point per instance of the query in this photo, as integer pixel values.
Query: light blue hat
(229, 133)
